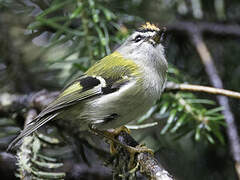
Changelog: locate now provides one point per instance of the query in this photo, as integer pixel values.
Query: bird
(116, 90)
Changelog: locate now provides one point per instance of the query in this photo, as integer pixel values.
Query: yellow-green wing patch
(82, 88)
(76, 86)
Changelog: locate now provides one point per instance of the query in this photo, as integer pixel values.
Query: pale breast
(116, 109)
(119, 108)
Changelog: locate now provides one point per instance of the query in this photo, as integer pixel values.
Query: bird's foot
(112, 134)
(136, 150)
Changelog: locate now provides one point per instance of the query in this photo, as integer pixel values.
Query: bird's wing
(82, 88)
(85, 87)
(106, 76)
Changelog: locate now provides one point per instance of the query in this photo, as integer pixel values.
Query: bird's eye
(138, 38)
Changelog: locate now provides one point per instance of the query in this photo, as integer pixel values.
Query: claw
(111, 134)
(135, 150)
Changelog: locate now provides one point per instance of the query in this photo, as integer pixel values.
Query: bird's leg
(112, 134)
(117, 131)
(135, 150)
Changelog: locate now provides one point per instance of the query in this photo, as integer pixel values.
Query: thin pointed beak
(159, 36)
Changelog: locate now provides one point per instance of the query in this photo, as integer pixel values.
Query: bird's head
(145, 45)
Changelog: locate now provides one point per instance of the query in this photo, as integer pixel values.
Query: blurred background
(46, 43)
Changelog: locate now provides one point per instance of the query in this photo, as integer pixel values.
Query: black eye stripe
(138, 38)
(142, 36)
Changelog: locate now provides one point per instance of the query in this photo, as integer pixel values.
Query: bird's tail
(30, 128)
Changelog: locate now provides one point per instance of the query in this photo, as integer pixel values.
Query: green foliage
(85, 29)
(82, 32)
(33, 163)
(8, 128)
(186, 114)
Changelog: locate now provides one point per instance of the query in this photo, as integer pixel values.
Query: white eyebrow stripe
(145, 34)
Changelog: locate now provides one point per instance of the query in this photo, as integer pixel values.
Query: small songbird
(118, 89)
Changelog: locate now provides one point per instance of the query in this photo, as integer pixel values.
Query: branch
(24, 155)
(206, 58)
(14, 102)
(197, 88)
(195, 31)
(149, 166)
(214, 28)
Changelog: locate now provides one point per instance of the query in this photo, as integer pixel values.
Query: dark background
(45, 44)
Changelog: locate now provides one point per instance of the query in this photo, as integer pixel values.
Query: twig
(25, 153)
(197, 88)
(14, 102)
(147, 163)
(215, 80)
(214, 28)
(195, 31)
(149, 166)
